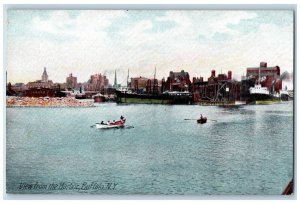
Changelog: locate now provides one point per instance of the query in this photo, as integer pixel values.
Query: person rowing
(202, 119)
(111, 124)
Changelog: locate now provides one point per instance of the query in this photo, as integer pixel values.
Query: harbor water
(239, 151)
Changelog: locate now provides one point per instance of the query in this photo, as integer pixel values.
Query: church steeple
(45, 76)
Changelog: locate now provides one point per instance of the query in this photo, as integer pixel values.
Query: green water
(246, 151)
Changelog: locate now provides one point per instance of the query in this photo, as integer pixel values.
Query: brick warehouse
(269, 76)
(178, 81)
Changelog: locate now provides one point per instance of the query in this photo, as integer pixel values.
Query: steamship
(174, 97)
(261, 95)
(126, 95)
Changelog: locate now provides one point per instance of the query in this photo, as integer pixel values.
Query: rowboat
(116, 124)
(202, 120)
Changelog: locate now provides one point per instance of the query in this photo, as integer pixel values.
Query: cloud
(89, 45)
(208, 23)
(88, 24)
(59, 22)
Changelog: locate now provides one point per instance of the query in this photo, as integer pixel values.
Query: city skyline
(288, 80)
(88, 42)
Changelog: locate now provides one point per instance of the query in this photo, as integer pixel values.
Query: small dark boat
(289, 189)
(80, 96)
(202, 120)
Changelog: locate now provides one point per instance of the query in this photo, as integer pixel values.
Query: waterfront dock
(221, 103)
(12, 101)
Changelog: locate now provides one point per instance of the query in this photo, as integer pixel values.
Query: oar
(198, 119)
(212, 120)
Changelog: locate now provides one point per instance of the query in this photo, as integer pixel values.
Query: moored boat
(80, 96)
(284, 95)
(261, 95)
(162, 98)
(99, 98)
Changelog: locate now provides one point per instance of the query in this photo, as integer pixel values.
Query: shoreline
(16, 106)
(47, 102)
(71, 102)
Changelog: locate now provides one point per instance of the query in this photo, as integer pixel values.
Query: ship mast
(154, 85)
(259, 75)
(128, 79)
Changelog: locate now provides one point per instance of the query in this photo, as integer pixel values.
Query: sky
(85, 42)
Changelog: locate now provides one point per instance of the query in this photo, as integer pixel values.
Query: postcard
(150, 102)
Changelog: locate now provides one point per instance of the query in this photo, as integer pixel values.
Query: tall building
(143, 85)
(97, 82)
(71, 81)
(139, 84)
(44, 83)
(45, 76)
(40, 88)
(178, 81)
(268, 76)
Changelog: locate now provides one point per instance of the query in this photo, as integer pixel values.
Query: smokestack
(213, 73)
(194, 80)
(263, 64)
(229, 75)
